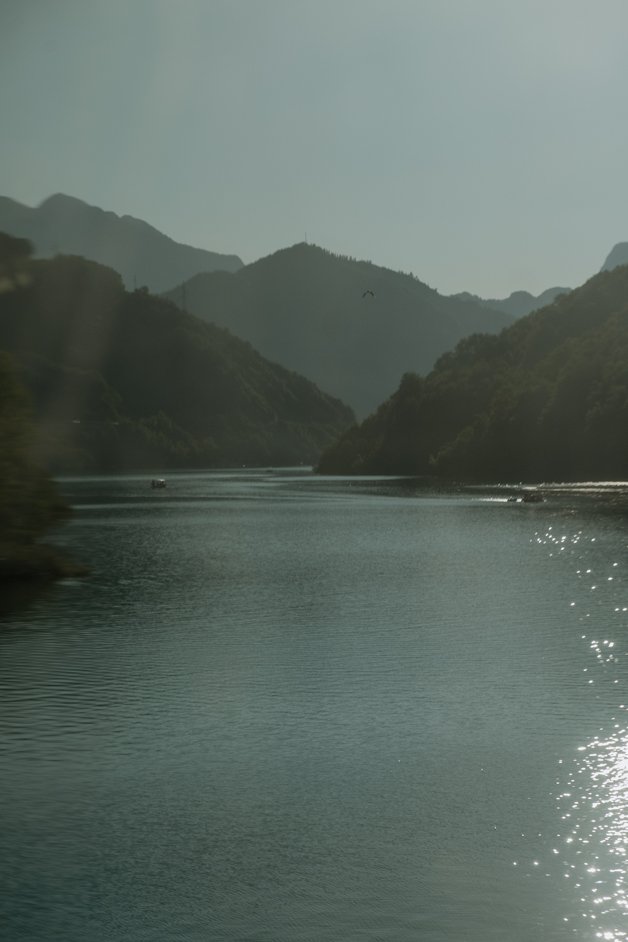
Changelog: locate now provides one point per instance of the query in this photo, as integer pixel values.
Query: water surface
(292, 708)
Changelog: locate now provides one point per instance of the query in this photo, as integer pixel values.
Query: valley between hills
(126, 350)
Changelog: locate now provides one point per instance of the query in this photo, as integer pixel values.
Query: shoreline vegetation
(37, 562)
(30, 505)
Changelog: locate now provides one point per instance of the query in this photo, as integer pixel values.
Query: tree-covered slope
(352, 327)
(29, 503)
(126, 380)
(546, 399)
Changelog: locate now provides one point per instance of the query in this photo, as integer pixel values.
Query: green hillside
(126, 380)
(350, 326)
(546, 399)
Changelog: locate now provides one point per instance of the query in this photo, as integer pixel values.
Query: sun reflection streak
(592, 796)
(597, 792)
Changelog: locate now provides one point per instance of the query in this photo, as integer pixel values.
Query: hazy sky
(481, 144)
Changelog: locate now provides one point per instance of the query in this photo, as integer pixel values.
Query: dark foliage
(29, 503)
(546, 399)
(126, 380)
(14, 256)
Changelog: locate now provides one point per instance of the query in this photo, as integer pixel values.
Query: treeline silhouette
(546, 399)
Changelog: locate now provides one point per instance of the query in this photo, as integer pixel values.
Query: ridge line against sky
(480, 144)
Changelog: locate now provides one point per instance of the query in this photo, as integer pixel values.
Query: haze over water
(293, 708)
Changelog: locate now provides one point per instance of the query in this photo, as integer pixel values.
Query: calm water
(285, 708)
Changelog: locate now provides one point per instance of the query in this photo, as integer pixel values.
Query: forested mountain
(546, 399)
(126, 380)
(352, 327)
(140, 253)
(517, 304)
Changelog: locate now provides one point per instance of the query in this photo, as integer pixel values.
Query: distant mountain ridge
(618, 255)
(137, 251)
(350, 326)
(517, 304)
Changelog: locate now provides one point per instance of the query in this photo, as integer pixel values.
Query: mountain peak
(58, 200)
(141, 254)
(351, 326)
(617, 256)
(56, 197)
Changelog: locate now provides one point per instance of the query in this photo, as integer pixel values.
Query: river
(285, 708)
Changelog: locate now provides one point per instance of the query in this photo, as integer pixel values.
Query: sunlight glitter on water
(592, 797)
(594, 810)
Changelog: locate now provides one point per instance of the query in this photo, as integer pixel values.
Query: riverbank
(37, 562)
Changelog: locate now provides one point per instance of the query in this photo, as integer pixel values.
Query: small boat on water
(158, 482)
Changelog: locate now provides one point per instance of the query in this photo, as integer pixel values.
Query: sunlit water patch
(591, 841)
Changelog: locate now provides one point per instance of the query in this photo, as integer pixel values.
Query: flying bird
(368, 291)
